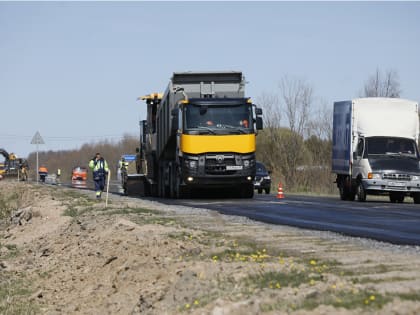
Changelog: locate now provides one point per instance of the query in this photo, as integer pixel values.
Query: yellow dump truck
(200, 133)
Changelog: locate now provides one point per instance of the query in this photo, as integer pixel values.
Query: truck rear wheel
(344, 187)
(343, 195)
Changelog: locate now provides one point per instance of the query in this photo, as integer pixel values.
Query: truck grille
(397, 176)
(216, 164)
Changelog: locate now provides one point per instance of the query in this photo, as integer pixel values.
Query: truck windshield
(391, 146)
(220, 119)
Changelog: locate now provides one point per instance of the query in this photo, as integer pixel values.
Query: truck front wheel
(416, 198)
(396, 197)
(247, 191)
(361, 192)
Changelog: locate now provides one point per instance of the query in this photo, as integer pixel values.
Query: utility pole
(37, 139)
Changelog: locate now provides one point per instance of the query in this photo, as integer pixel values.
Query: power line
(64, 138)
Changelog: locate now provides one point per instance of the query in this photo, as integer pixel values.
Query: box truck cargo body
(375, 148)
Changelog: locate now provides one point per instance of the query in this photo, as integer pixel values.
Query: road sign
(37, 139)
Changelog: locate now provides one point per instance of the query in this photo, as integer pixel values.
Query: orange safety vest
(43, 170)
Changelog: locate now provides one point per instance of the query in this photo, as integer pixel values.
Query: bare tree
(382, 85)
(320, 122)
(296, 141)
(297, 97)
(272, 112)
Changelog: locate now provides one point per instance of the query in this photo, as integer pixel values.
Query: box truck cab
(375, 148)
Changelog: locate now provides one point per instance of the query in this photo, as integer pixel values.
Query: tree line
(66, 160)
(296, 142)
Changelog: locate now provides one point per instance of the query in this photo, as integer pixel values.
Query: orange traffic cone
(280, 194)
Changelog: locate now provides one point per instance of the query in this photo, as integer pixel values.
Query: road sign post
(37, 139)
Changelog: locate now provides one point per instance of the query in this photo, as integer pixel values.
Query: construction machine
(200, 134)
(13, 166)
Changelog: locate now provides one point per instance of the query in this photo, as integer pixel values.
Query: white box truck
(375, 148)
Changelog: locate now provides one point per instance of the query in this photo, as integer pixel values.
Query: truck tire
(267, 191)
(259, 190)
(416, 198)
(345, 194)
(345, 189)
(342, 191)
(360, 192)
(396, 197)
(247, 191)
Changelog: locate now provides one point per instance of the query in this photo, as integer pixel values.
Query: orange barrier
(280, 194)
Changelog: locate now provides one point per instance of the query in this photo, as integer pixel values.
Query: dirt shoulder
(75, 256)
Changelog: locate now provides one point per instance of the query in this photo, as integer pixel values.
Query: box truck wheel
(360, 192)
(396, 197)
(344, 187)
(416, 197)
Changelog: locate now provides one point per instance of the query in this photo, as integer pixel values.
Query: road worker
(42, 172)
(58, 175)
(100, 169)
(122, 164)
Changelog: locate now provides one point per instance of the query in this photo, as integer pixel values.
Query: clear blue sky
(73, 70)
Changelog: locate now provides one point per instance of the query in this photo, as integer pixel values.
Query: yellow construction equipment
(13, 166)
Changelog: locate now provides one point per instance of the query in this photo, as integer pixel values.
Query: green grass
(349, 299)
(346, 299)
(71, 212)
(411, 296)
(9, 202)
(364, 280)
(12, 251)
(14, 296)
(277, 279)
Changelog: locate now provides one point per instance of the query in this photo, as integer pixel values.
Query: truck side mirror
(258, 111)
(259, 123)
(354, 155)
(137, 150)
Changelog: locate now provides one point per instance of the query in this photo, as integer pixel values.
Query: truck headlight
(374, 176)
(267, 177)
(415, 177)
(248, 163)
(191, 164)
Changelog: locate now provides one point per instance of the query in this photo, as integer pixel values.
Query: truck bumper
(230, 170)
(379, 185)
(218, 181)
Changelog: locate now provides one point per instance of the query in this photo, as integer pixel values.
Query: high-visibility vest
(99, 165)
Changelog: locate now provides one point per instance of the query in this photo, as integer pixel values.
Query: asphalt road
(376, 218)
(379, 220)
